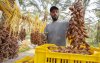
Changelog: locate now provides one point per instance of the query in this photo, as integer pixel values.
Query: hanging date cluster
(38, 38)
(8, 45)
(77, 32)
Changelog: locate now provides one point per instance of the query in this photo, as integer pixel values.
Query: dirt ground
(21, 55)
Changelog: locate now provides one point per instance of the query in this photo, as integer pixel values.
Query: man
(56, 31)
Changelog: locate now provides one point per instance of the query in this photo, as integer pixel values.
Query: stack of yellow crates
(44, 55)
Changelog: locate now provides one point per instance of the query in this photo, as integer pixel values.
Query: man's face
(54, 14)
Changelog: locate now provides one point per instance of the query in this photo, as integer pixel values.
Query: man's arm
(46, 32)
(66, 24)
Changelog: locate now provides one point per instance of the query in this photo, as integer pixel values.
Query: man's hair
(53, 8)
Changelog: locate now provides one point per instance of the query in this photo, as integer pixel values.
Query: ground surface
(21, 55)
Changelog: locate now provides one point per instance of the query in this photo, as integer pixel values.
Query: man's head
(54, 12)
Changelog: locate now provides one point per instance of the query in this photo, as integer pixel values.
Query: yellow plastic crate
(44, 55)
(95, 49)
(26, 59)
